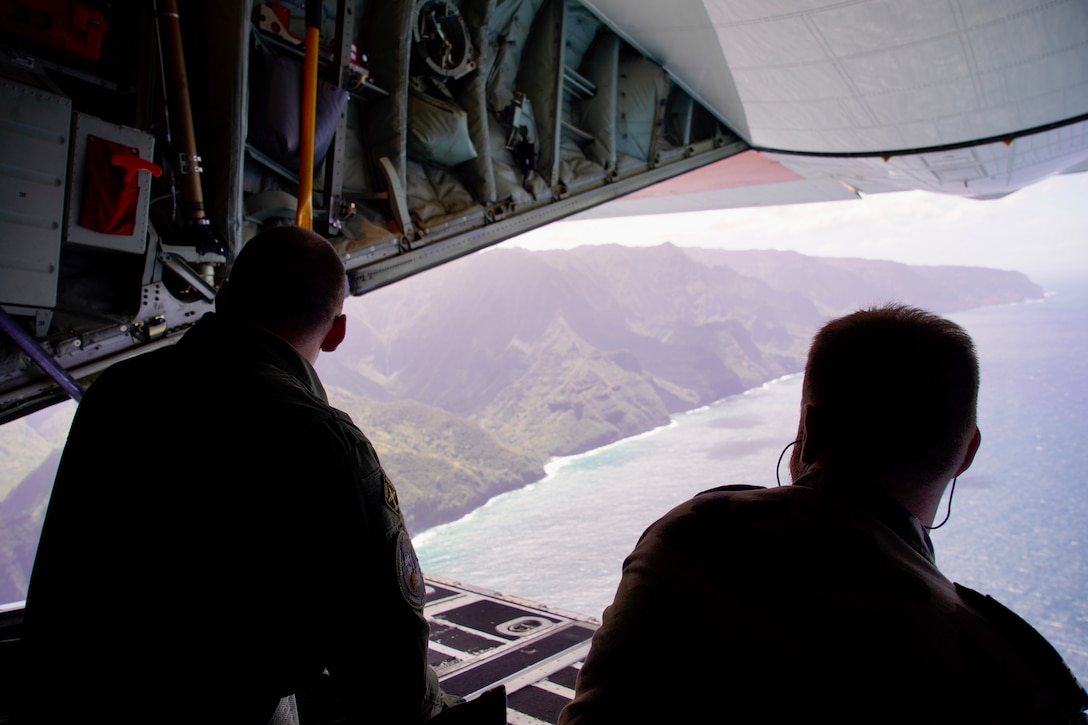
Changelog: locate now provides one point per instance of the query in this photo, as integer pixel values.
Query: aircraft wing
(976, 99)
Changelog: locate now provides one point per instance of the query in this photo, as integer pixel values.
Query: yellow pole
(304, 215)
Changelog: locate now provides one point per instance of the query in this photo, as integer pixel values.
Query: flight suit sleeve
(638, 632)
(376, 637)
(648, 662)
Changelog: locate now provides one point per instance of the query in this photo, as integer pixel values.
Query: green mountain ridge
(559, 352)
(468, 378)
(443, 466)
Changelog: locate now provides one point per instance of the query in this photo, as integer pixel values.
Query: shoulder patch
(390, 494)
(409, 572)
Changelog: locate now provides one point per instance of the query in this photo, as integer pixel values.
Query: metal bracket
(189, 164)
(40, 355)
(398, 200)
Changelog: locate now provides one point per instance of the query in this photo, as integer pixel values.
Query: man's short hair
(288, 279)
(896, 389)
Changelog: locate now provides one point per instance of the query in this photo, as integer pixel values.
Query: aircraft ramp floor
(481, 639)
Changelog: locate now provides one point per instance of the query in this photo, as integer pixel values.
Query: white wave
(771, 382)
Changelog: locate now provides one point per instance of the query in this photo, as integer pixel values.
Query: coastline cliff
(532, 355)
(468, 378)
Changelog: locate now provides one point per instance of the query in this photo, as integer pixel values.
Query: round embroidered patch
(409, 572)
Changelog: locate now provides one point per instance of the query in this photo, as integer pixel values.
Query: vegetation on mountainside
(443, 466)
(469, 377)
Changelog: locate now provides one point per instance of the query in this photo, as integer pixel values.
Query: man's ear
(972, 449)
(336, 334)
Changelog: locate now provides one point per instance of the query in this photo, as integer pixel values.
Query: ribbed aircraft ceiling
(850, 76)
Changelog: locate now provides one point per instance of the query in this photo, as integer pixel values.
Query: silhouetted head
(289, 281)
(889, 393)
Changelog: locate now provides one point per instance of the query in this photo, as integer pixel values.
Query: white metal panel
(34, 138)
(869, 76)
(875, 26)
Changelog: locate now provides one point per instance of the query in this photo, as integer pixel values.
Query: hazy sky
(1041, 230)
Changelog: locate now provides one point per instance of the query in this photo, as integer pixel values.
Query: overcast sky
(1041, 230)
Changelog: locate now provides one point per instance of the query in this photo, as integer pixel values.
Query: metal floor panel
(481, 639)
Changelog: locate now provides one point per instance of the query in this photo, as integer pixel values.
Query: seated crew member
(821, 601)
(219, 538)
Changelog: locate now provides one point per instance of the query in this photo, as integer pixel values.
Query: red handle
(133, 165)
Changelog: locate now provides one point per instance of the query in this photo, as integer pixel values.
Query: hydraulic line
(39, 355)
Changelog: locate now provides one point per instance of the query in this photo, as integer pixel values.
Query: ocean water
(1019, 523)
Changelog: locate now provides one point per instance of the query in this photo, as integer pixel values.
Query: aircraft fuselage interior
(145, 141)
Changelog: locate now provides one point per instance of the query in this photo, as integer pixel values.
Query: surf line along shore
(561, 540)
(557, 463)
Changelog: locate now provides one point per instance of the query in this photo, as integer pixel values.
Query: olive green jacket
(219, 537)
(817, 602)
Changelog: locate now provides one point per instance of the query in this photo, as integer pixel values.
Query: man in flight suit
(821, 601)
(219, 538)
